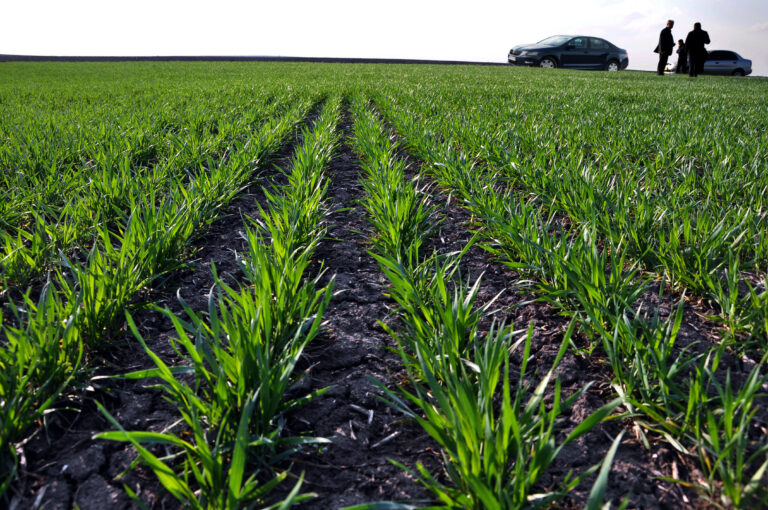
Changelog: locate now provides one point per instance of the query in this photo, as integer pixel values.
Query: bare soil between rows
(64, 467)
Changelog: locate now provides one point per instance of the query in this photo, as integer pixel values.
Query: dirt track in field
(64, 466)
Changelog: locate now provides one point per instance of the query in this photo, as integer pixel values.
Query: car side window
(598, 44)
(579, 43)
(729, 55)
(716, 55)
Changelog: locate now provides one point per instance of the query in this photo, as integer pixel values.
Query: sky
(476, 30)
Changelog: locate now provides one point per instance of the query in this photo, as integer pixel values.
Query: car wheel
(548, 62)
(612, 65)
(737, 72)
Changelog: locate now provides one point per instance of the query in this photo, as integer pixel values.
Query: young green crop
(457, 375)
(599, 286)
(90, 296)
(38, 360)
(686, 224)
(244, 353)
(607, 193)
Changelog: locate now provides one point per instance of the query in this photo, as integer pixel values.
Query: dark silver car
(727, 62)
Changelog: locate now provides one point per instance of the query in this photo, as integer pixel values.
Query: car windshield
(555, 40)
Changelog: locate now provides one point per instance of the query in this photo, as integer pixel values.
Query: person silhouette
(697, 53)
(682, 58)
(665, 47)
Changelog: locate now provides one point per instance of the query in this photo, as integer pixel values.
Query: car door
(575, 53)
(599, 51)
(720, 62)
(729, 62)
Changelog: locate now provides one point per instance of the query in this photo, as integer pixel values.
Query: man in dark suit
(665, 46)
(697, 53)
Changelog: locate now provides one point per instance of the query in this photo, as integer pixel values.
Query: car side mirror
(569, 46)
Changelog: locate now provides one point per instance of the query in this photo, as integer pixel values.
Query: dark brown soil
(63, 467)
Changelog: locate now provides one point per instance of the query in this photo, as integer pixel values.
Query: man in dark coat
(665, 47)
(682, 58)
(697, 53)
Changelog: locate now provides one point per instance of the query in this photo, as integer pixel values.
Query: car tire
(612, 65)
(548, 62)
(738, 72)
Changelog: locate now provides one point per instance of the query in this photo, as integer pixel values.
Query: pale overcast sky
(477, 30)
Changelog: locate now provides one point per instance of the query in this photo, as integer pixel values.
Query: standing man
(665, 46)
(682, 58)
(697, 53)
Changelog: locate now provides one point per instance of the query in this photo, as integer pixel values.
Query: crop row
(677, 393)
(244, 353)
(47, 336)
(497, 438)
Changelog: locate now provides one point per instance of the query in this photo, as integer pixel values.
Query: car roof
(582, 35)
(729, 51)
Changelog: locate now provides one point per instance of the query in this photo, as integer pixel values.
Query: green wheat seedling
(423, 294)
(744, 312)
(295, 212)
(281, 308)
(398, 210)
(220, 460)
(24, 253)
(652, 378)
(651, 374)
(682, 228)
(129, 252)
(107, 188)
(593, 172)
(597, 285)
(726, 437)
(669, 234)
(498, 439)
(150, 242)
(493, 457)
(399, 213)
(29, 251)
(244, 353)
(39, 356)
